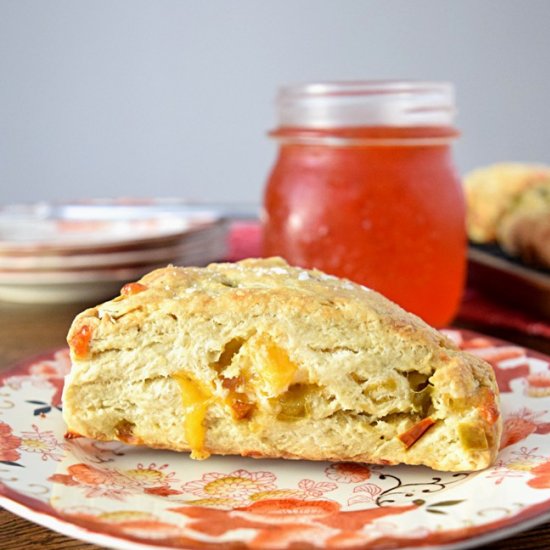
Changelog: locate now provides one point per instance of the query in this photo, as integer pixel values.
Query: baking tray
(508, 280)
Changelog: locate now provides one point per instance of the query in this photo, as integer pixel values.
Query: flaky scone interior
(262, 359)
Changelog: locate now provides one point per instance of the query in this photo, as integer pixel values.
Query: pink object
(244, 241)
(479, 308)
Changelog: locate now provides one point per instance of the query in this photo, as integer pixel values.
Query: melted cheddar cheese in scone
(266, 371)
(262, 359)
(195, 401)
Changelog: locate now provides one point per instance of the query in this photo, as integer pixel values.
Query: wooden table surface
(27, 330)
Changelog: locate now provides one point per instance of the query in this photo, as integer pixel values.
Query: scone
(524, 230)
(262, 359)
(492, 192)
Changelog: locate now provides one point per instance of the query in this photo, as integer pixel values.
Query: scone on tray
(524, 231)
(493, 192)
(509, 204)
(262, 359)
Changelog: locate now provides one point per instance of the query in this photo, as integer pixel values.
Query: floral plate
(132, 497)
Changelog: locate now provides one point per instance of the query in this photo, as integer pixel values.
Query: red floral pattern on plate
(542, 476)
(90, 489)
(348, 472)
(9, 444)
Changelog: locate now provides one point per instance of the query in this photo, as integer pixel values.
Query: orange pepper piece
(412, 435)
(130, 289)
(80, 342)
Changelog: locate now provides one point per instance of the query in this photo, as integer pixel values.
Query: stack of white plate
(83, 252)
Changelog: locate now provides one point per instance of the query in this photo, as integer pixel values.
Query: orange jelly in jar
(364, 188)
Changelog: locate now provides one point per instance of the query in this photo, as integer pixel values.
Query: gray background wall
(174, 97)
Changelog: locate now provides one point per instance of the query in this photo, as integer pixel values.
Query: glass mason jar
(364, 187)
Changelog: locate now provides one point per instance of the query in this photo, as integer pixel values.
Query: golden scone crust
(493, 190)
(262, 359)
